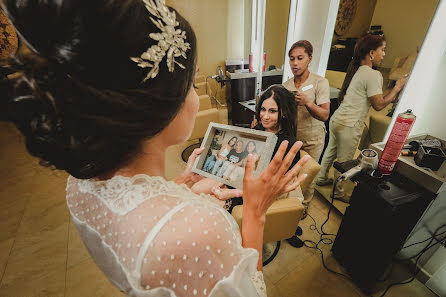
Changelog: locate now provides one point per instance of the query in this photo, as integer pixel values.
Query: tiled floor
(41, 253)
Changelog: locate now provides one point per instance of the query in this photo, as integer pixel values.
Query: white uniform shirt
(317, 90)
(365, 83)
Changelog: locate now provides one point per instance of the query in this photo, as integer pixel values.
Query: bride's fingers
(295, 184)
(296, 168)
(288, 160)
(275, 163)
(249, 167)
(194, 155)
(196, 177)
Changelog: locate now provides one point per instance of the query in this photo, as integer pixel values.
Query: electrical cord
(414, 274)
(433, 236)
(216, 89)
(327, 241)
(216, 92)
(323, 236)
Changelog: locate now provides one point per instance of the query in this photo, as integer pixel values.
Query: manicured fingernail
(307, 157)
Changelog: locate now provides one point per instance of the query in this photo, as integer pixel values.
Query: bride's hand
(206, 186)
(188, 177)
(259, 193)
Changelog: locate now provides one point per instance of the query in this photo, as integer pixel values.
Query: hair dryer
(368, 159)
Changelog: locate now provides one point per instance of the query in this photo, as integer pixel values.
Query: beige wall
(276, 26)
(362, 19)
(405, 23)
(248, 26)
(235, 29)
(209, 21)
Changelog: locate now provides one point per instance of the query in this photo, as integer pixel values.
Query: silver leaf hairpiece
(171, 41)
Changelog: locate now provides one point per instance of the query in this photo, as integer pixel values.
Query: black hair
(362, 48)
(233, 137)
(287, 108)
(80, 102)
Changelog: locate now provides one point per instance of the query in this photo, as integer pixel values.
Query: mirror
(404, 38)
(404, 35)
(276, 26)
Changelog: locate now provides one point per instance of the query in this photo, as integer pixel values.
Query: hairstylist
(361, 89)
(312, 93)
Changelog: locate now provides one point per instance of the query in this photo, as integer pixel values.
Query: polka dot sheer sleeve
(155, 238)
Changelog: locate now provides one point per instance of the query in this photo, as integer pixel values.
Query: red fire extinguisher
(395, 143)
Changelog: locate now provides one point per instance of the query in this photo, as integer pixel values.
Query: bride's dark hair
(80, 101)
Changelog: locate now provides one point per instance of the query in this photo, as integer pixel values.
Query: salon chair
(205, 115)
(375, 131)
(335, 78)
(284, 214)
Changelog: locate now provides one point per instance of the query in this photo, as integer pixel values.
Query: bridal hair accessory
(171, 41)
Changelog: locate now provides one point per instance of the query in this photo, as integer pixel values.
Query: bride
(107, 88)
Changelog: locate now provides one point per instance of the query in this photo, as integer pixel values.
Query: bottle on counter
(398, 136)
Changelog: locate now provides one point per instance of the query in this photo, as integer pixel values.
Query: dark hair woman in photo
(361, 89)
(108, 88)
(221, 155)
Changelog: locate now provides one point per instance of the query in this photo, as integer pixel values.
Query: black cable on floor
(327, 241)
(435, 234)
(323, 236)
(420, 254)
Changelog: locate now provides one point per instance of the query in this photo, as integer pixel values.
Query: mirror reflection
(276, 26)
(402, 39)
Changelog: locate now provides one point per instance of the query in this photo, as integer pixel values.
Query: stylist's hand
(259, 193)
(188, 177)
(253, 123)
(301, 99)
(401, 82)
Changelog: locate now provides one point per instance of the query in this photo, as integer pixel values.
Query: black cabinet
(382, 213)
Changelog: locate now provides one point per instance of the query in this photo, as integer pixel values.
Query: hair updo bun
(80, 101)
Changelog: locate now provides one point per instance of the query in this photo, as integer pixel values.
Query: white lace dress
(152, 237)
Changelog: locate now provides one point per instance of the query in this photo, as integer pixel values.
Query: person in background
(213, 160)
(361, 89)
(107, 89)
(312, 94)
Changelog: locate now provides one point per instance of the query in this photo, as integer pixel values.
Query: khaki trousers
(313, 143)
(342, 145)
